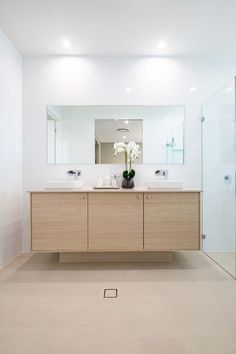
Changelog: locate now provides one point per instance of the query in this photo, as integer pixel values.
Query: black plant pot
(128, 183)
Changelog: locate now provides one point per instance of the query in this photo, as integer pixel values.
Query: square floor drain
(110, 293)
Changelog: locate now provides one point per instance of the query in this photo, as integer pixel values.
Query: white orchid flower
(131, 145)
(120, 149)
(131, 151)
(121, 144)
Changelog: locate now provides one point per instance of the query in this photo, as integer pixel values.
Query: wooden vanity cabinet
(59, 221)
(115, 221)
(171, 221)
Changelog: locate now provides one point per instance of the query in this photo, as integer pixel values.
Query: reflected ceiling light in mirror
(128, 89)
(161, 45)
(123, 130)
(229, 89)
(124, 137)
(126, 122)
(66, 43)
(192, 89)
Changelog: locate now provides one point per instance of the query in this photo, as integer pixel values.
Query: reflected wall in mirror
(110, 131)
(86, 134)
(70, 135)
(163, 134)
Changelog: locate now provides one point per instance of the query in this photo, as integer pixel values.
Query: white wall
(10, 151)
(91, 81)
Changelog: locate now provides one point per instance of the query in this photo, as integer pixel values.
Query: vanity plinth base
(119, 257)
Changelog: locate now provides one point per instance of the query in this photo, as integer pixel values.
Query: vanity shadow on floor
(185, 266)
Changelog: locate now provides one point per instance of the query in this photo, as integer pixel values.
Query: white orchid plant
(131, 152)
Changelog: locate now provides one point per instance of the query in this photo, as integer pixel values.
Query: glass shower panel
(218, 159)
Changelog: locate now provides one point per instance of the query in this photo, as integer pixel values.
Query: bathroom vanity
(120, 220)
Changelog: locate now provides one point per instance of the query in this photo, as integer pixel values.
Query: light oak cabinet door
(59, 221)
(116, 221)
(171, 221)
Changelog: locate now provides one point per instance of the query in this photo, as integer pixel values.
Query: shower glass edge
(218, 177)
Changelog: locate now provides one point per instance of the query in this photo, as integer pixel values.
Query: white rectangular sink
(165, 184)
(73, 184)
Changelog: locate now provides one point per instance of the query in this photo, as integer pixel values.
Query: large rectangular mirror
(86, 134)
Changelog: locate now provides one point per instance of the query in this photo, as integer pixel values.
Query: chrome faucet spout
(163, 173)
(75, 173)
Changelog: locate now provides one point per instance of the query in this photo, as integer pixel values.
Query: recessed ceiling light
(192, 89)
(124, 137)
(126, 122)
(128, 89)
(161, 45)
(229, 89)
(66, 43)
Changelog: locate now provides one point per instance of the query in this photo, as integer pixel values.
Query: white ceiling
(120, 27)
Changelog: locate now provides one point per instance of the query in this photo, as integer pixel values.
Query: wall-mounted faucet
(75, 173)
(163, 173)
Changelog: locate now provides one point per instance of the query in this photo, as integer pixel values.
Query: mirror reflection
(86, 134)
(110, 131)
(163, 135)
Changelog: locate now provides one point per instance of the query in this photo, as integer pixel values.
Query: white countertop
(111, 190)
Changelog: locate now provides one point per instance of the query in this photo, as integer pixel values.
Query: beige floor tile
(168, 345)
(19, 345)
(109, 320)
(222, 345)
(183, 307)
(17, 320)
(57, 345)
